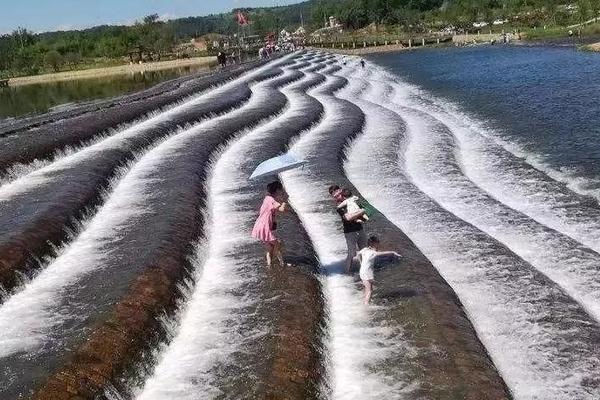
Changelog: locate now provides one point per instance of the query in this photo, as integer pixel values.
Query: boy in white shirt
(367, 261)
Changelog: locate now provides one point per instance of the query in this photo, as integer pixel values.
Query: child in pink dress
(266, 223)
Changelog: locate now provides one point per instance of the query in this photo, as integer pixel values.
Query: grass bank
(557, 32)
(360, 51)
(592, 47)
(109, 71)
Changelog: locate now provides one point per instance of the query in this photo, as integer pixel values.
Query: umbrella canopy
(275, 165)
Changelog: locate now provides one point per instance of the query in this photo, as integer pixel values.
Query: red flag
(241, 18)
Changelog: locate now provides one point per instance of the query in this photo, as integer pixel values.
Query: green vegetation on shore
(25, 53)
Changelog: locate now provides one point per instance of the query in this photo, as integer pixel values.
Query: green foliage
(72, 60)
(54, 60)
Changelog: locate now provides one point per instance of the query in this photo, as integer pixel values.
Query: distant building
(300, 31)
(332, 22)
(211, 41)
(199, 44)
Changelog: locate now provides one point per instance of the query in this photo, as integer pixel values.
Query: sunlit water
(491, 192)
(517, 246)
(541, 100)
(39, 98)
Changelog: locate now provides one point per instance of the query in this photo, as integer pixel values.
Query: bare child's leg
(278, 250)
(349, 262)
(351, 242)
(269, 247)
(368, 291)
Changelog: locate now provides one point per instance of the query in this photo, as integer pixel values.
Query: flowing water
(511, 234)
(39, 98)
(486, 158)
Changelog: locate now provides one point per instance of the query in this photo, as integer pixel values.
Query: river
(497, 182)
(543, 101)
(39, 98)
(484, 158)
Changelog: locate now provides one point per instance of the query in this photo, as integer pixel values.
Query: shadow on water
(39, 98)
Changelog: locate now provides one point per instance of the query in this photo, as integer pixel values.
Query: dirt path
(594, 47)
(119, 70)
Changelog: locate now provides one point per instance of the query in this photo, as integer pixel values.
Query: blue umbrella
(275, 165)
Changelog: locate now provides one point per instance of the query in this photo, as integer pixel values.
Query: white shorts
(366, 274)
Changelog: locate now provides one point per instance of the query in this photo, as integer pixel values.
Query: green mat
(369, 209)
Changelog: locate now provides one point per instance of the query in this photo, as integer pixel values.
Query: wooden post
(423, 41)
(409, 43)
(386, 42)
(438, 40)
(397, 42)
(353, 45)
(365, 44)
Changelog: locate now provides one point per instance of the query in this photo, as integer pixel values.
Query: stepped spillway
(128, 271)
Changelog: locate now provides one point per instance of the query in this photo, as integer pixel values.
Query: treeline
(439, 14)
(24, 52)
(263, 20)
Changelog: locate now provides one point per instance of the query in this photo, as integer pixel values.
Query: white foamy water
(28, 177)
(27, 318)
(538, 338)
(356, 344)
(522, 181)
(213, 321)
(473, 177)
(433, 166)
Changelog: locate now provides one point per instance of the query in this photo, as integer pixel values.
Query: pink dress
(263, 227)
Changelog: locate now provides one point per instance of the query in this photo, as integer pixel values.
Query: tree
(584, 10)
(151, 19)
(27, 60)
(72, 59)
(23, 37)
(54, 60)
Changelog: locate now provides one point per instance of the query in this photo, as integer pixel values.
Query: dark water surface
(544, 99)
(39, 98)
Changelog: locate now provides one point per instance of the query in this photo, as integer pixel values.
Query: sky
(49, 15)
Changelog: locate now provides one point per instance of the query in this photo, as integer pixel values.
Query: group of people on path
(360, 247)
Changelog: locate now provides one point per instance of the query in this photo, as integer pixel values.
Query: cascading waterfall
(216, 321)
(355, 343)
(40, 318)
(520, 249)
(502, 297)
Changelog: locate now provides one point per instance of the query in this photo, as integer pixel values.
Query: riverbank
(202, 62)
(365, 50)
(592, 47)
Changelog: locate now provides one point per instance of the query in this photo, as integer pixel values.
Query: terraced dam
(127, 269)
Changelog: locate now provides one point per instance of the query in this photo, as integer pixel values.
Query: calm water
(546, 100)
(40, 98)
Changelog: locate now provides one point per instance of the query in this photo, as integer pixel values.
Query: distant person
(354, 233)
(275, 202)
(362, 63)
(367, 258)
(264, 53)
(222, 59)
(351, 203)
